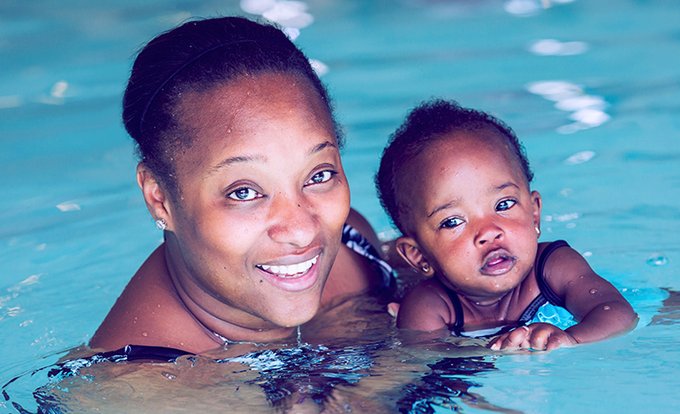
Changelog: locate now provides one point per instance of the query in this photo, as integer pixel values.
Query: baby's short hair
(425, 123)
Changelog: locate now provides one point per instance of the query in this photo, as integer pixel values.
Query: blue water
(591, 88)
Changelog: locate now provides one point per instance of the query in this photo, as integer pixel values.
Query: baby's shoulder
(426, 307)
(558, 255)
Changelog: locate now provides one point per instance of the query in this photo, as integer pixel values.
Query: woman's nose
(292, 221)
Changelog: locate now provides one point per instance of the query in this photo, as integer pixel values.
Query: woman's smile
(293, 277)
(289, 271)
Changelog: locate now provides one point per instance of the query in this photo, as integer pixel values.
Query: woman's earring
(161, 224)
(538, 231)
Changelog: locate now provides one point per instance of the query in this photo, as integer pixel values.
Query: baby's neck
(489, 310)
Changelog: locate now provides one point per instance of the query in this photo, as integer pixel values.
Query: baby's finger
(539, 339)
(558, 341)
(495, 344)
(513, 339)
(393, 309)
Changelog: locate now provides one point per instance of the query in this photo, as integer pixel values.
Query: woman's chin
(295, 317)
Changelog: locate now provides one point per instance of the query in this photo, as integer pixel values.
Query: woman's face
(262, 199)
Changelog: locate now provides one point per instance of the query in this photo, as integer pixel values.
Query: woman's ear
(157, 201)
(410, 251)
(536, 204)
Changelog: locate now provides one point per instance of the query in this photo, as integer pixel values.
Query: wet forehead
(240, 118)
(419, 182)
(248, 101)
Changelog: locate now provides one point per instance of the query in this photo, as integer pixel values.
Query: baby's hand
(537, 336)
(393, 309)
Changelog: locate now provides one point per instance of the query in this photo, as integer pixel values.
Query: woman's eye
(450, 223)
(321, 177)
(505, 205)
(244, 194)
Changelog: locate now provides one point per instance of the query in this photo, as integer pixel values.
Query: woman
(240, 168)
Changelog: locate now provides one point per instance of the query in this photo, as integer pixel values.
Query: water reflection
(354, 360)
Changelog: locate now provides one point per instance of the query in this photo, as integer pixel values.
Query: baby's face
(471, 213)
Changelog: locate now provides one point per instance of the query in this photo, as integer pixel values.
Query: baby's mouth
(289, 271)
(498, 262)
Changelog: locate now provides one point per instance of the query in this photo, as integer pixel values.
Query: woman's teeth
(290, 270)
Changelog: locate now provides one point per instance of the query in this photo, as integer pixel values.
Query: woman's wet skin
(255, 226)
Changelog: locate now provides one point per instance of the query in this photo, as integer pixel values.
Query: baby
(455, 181)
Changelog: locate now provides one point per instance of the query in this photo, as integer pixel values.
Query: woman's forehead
(247, 100)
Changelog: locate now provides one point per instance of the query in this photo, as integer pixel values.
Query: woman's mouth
(291, 270)
(293, 277)
(497, 263)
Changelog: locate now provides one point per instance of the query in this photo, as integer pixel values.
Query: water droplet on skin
(593, 291)
(606, 307)
(145, 334)
(299, 336)
(657, 260)
(169, 376)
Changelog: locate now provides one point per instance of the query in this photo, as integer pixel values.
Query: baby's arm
(593, 301)
(424, 308)
(598, 306)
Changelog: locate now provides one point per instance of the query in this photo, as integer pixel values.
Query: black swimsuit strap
(531, 310)
(546, 290)
(127, 353)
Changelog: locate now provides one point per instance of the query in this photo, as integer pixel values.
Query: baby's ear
(410, 251)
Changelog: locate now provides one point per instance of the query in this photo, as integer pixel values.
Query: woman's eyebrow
(235, 160)
(250, 158)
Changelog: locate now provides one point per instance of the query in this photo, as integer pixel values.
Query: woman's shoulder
(148, 312)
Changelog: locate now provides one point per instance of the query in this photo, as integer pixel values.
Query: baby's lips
(494, 256)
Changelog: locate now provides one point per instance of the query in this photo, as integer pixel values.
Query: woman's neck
(222, 322)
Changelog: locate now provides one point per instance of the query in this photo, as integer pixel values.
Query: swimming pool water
(591, 88)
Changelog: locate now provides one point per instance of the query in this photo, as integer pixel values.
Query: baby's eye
(244, 194)
(451, 223)
(321, 177)
(505, 204)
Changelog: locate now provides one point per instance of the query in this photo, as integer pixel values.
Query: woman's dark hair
(425, 124)
(197, 56)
